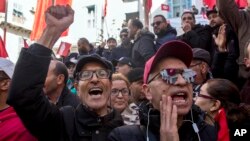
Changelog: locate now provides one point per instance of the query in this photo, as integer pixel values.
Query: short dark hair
(110, 39)
(188, 12)
(163, 18)
(83, 40)
(61, 68)
(137, 23)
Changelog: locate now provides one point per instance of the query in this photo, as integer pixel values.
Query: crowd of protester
(153, 86)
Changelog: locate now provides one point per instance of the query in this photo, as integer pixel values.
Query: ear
(60, 79)
(5, 84)
(216, 106)
(203, 68)
(76, 86)
(146, 90)
(247, 62)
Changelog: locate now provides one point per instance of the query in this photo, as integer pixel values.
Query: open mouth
(95, 91)
(179, 98)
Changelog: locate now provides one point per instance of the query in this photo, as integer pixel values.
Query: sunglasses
(170, 76)
(156, 23)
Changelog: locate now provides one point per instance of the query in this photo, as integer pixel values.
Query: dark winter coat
(143, 48)
(169, 35)
(186, 132)
(199, 37)
(43, 119)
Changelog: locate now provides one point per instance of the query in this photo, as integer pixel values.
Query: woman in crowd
(221, 100)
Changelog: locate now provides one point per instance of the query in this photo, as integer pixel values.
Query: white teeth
(179, 101)
(180, 94)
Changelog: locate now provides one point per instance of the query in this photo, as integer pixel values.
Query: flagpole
(5, 23)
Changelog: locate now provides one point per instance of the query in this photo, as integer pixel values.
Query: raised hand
(168, 129)
(221, 39)
(58, 18)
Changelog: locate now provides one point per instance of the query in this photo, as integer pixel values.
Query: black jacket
(224, 65)
(143, 48)
(67, 98)
(45, 120)
(168, 35)
(186, 132)
(199, 37)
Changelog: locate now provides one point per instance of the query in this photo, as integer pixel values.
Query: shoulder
(125, 133)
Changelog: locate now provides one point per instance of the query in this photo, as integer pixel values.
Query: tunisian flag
(105, 8)
(39, 23)
(64, 49)
(2, 6)
(3, 52)
(164, 7)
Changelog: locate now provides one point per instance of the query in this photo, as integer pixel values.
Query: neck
(53, 96)
(3, 98)
(102, 112)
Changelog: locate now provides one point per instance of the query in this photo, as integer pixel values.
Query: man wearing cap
(92, 119)
(11, 127)
(124, 65)
(201, 65)
(170, 115)
(70, 62)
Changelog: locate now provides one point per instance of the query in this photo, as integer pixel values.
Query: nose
(180, 80)
(94, 78)
(120, 94)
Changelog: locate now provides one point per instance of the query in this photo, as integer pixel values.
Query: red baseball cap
(176, 49)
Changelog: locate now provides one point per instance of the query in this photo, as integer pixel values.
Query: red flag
(105, 8)
(241, 3)
(2, 6)
(210, 3)
(64, 49)
(164, 7)
(148, 5)
(3, 52)
(39, 23)
(25, 44)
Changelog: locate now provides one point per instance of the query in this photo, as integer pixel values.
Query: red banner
(2, 6)
(39, 23)
(3, 52)
(64, 49)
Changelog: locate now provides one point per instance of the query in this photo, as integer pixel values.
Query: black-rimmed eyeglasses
(116, 92)
(88, 74)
